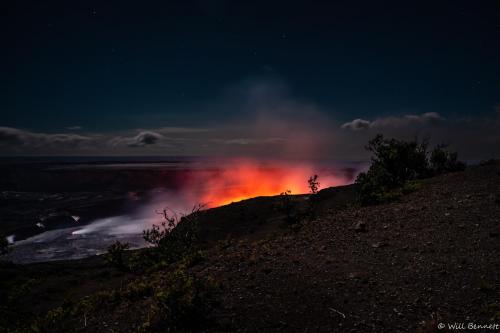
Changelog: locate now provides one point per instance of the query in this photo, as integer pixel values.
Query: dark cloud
(142, 139)
(17, 138)
(357, 124)
(407, 120)
(394, 121)
(146, 138)
(182, 130)
(251, 141)
(268, 123)
(12, 136)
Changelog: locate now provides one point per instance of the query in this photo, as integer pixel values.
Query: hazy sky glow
(310, 79)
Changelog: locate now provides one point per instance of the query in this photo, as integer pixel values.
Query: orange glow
(244, 179)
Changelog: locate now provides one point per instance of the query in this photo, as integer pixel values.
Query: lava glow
(218, 184)
(244, 179)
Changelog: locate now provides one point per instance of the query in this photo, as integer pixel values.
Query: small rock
(360, 227)
(377, 245)
(267, 270)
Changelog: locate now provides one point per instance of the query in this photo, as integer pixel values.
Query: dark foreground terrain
(431, 257)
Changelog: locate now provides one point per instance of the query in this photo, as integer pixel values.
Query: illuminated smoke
(246, 178)
(224, 182)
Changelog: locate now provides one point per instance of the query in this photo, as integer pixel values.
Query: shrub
(116, 255)
(287, 207)
(4, 245)
(186, 304)
(396, 162)
(313, 184)
(443, 161)
(489, 161)
(372, 191)
(312, 199)
(411, 186)
(175, 237)
(179, 302)
(136, 290)
(396, 165)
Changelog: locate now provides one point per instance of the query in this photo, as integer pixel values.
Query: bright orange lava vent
(244, 179)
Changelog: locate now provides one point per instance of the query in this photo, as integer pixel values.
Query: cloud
(74, 128)
(251, 141)
(18, 138)
(142, 139)
(394, 121)
(407, 120)
(262, 119)
(146, 138)
(182, 130)
(357, 124)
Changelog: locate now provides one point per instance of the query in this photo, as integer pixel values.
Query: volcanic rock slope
(406, 266)
(432, 257)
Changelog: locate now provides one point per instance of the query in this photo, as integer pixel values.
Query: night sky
(120, 77)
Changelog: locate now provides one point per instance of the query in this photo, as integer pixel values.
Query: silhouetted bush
(288, 208)
(116, 255)
(489, 161)
(443, 161)
(4, 245)
(175, 237)
(396, 165)
(313, 184)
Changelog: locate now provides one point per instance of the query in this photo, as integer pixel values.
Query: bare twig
(337, 311)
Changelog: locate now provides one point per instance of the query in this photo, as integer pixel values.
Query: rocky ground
(433, 256)
(406, 266)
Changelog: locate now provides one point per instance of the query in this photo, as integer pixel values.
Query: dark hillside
(432, 256)
(381, 268)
